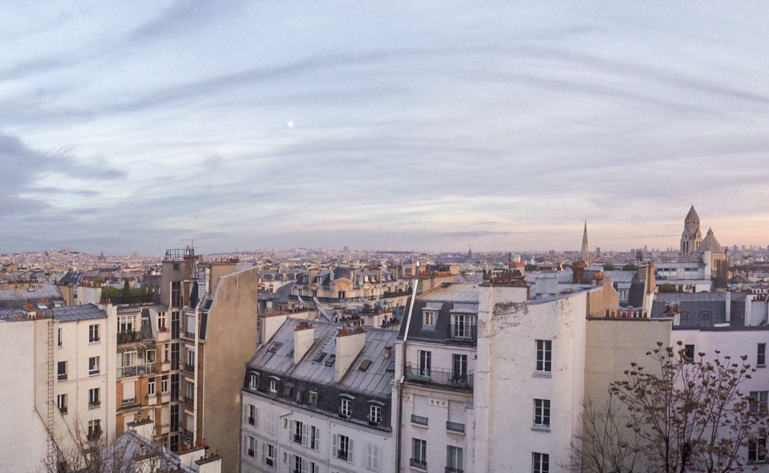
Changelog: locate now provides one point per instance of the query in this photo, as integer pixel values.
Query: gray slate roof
(78, 312)
(276, 356)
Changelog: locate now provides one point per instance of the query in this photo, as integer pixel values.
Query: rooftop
(78, 312)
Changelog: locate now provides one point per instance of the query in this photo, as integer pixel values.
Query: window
(372, 457)
(689, 352)
(125, 324)
(419, 453)
(94, 429)
(299, 462)
(59, 337)
(314, 438)
(459, 369)
(190, 359)
(298, 431)
(164, 384)
(93, 333)
(190, 390)
(269, 454)
(151, 387)
(341, 295)
(344, 448)
(454, 459)
(165, 353)
(463, 326)
(251, 414)
(161, 320)
(253, 381)
(176, 291)
(61, 403)
(312, 398)
(761, 355)
(428, 319)
(704, 315)
(93, 397)
(62, 370)
(758, 401)
(374, 414)
(425, 359)
(250, 446)
(542, 412)
(757, 450)
(273, 386)
(684, 315)
(544, 355)
(540, 463)
(93, 366)
(151, 356)
(129, 358)
(345, 408)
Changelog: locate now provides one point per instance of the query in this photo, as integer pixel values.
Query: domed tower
(691, 237)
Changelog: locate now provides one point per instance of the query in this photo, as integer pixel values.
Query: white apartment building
(67, 387)
(493, 377)
(316, 399)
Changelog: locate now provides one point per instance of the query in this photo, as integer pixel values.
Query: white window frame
(345, 407)
(93, 366)
(542, 413)
(94, 398)
(544, 356)
(253, 381)
(151, 387)
(540, 462)
(375, 413)
(93, 333)
(164, 385)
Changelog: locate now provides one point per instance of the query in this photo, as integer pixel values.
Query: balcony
(297, 438)
(440, 378)
(251, 452)
(463, 333)
(418, 420)
(128, 336)
(453, 469)
(136, 370)
(418, 463)
(455, 427)
(189, 367)
(94, 404)
(62, 377)
(251, 421)
(342, 454)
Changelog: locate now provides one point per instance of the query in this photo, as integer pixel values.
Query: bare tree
(605, 446)
(93, 451)
(690, 412)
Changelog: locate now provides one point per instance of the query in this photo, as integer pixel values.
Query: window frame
(345, 407)
(544, 356)
(94, 368)
(375, 414)
(94, 333)
(540, 462)
(541, 413)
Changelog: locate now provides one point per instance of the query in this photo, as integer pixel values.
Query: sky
(135, 126)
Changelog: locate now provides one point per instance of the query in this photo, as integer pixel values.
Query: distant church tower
(585, 253)
(691, 237)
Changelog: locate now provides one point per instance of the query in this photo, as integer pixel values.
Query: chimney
(728, 306)
(304, 336)
(349, 344)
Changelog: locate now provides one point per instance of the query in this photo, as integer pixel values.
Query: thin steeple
(585, 253)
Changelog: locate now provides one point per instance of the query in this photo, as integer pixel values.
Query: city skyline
(399, 126)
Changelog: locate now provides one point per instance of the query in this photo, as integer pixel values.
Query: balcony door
(425, 362)
(459, 368)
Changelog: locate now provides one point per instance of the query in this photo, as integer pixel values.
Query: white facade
(286, 439)
(23, 438)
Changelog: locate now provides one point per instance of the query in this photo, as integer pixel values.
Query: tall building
(691, 236)
(585, 252)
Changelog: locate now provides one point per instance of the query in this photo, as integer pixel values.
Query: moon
(290, 124)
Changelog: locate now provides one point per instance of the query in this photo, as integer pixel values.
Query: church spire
(585, 253)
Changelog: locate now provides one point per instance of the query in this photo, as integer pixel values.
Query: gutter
(398, 443)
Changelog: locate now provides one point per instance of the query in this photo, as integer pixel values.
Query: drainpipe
(398, 446)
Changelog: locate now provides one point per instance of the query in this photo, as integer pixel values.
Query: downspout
(398, 446)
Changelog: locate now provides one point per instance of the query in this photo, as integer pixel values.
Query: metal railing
(440, 377)
(343, 454)
(189, 367)
(136, 370)
(419, 420)
(453, 469)
(455, 427)
(418, 463)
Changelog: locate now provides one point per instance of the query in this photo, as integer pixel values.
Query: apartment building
(68, 387)
(494, 374)
(316, 398)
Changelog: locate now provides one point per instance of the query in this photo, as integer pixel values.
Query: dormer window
(253, 382)
(345, 407)
(273, 385)
(428, 318)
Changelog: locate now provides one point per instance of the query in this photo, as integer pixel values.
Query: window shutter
(305, 435)
(375, 457)
(304, 465)
(264, 450)
(334, 445)
(349, 452)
